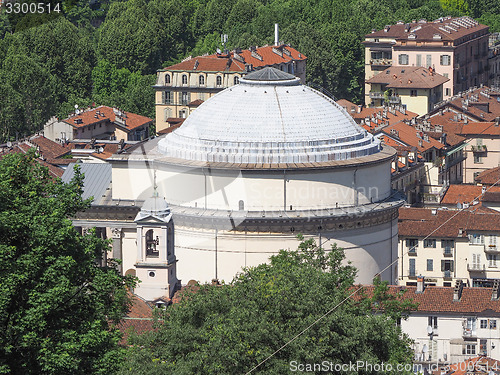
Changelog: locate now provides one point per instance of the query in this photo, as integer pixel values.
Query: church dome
(269, 118)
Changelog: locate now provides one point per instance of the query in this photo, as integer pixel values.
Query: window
(478, 159)
(151, 274)
(236, 80)
(447, 265)
(241, 205)
(492, 260)
(218, 81)
(493, 240)
(184, 79)
(469, 349)
(430, 243)
(493, 324)
(447, 246)
(484, 323)
(167, 79)
(201, 80)
(413, 92)
(428, 61)
(433, 322)
(412, 271)
(185, 98)
(403, 59)
(167, 112)
(447, 91)
(419, 60)
(430, 265)
(445, 59)
(476, 239)
(167, 97)
(412, 243)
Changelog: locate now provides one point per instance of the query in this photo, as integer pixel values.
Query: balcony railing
(376, 95)
(476, 267)
(448, 251)
(469, 332)
(387, 62)
(447, 274)
(478, 148)
(491, 249)
(412, 272)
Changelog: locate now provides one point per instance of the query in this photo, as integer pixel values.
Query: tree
(229, 329)
(56, 303)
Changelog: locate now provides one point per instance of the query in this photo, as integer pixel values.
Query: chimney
(420, 284)
(457, 290)
(276, 35)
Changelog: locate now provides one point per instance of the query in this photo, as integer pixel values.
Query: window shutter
(163, 97)
(442, 265)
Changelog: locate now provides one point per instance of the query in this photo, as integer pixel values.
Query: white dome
(269, 118)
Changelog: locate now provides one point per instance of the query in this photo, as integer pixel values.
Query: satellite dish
(218, 50)
(424, 349)
(76, 106)
(429, 330)
(77, 111)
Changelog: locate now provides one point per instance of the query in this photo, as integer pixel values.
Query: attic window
(437, 36)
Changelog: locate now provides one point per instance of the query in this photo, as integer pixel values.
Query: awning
(381, 49)
(456, 149)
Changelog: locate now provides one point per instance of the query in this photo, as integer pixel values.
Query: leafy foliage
(56, 303)
(231, 328)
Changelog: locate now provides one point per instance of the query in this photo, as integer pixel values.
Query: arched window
(184, 79)
(202, 80)
(151, 243)
(167, 79)
(167, 112)
(241, 205)
(218, 81)
(236, 80)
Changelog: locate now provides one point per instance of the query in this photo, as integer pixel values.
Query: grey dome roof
(269, 118)
(156, 207)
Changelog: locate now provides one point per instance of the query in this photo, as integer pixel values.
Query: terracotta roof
(139, 319)
(212, 63)
(489, 176)
(410, 136)
(437, 299)
(350, 107)
(270, 57)
(427, 30)
(195, 103)
(492, 196)
(482, 103)
(49, 149)
(421, 222)
(408, 77)
(465, 194)
(107, 114)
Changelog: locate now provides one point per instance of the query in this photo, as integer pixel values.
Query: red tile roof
(467, 193)
(421, 222)
(410, 136)
(408, 77)
(477, 366)
(426, 30)
(271, 55)
(489, 176)
(482, 104)
(107, 114)
(49, 149)
(212, 63)
(437, 299)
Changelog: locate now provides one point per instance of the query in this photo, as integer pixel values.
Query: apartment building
(416, 88)
(182, 87)
(456, 48)
(446, 245)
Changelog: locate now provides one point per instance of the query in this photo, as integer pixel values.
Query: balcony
(412, 272)
(491, 249)
(376, 95)
(469, 333)
(476, 267)
(478, 148)
(447, 274)
(448, 251)
(381, 62)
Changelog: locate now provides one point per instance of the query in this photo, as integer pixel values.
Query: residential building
(482, 147)
(456, 48)
(450, 324)
(493, 66)
(103, 123)
(407, 172)
(418, 89)
(182, 87)
(447, 245)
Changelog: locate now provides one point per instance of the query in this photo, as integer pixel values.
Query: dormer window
(218, 81)
(184, 79)
(202, 80)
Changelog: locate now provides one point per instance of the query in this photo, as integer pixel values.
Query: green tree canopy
(229, 329)
(56, 303)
